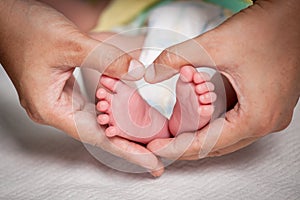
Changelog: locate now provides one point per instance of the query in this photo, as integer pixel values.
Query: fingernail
(150, 73)
(157, 172)
(159, 72)
(135, 71)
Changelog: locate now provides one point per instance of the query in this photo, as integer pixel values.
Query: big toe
(112, 131)
(109, 83)
(187, 73)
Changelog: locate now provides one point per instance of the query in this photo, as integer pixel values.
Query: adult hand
(39, 50)
(258, 51)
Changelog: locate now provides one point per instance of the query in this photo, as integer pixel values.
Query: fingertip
(136, 71)
(159, 72)
(158, 171)
(150, 74)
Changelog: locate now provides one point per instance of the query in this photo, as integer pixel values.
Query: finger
(122, 148)
(137, 154)
(127, 43)
(101, 36)
(217, 135)
(227, 150)
(227, 136)
(239, 145)
(188, 145)
(110, 60)
(172, 59)
(172, 148)
(87, 130)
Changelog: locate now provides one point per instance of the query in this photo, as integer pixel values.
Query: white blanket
(39, 162)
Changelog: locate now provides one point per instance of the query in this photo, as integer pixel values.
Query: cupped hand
(39, 50)
(258, 51)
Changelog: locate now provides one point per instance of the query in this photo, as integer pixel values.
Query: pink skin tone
(141, 123)
(138, 121)
(194, 94)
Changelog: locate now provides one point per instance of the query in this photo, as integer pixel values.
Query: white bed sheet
(39, 162)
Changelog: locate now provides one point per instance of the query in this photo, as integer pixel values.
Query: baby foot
(194, 98)
(126, 114)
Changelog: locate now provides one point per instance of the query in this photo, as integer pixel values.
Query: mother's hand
(39, 49)
(258, 51)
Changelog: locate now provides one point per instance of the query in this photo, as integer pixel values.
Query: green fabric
(143, 16)
(233, 5)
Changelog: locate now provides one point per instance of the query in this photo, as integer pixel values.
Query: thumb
(169, 62)
(110, 60)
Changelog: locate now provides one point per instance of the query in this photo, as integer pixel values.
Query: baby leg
(126, 114)
(194, 98)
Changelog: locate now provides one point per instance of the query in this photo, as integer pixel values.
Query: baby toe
(102, 106)
(204, 88)
(186, 73)
(101, 93)
(112, 131)
(207, 98)
(103, 119)
(206, 110)
(200, 77)
(109, 83)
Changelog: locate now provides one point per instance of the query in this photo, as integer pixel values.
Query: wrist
(280, 19)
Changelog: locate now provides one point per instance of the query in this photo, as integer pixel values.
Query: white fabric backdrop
(38, 162)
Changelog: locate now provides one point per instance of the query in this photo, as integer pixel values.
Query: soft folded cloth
(39, 162)
(182, 20)
(122, 12)
(168, 25)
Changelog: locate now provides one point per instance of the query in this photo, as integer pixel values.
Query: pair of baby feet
(126, 114)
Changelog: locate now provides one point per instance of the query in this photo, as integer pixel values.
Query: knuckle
(196, 146)
(165, 57)
(124, 59)
(35, 117)
(35, 114)
(115, 68)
